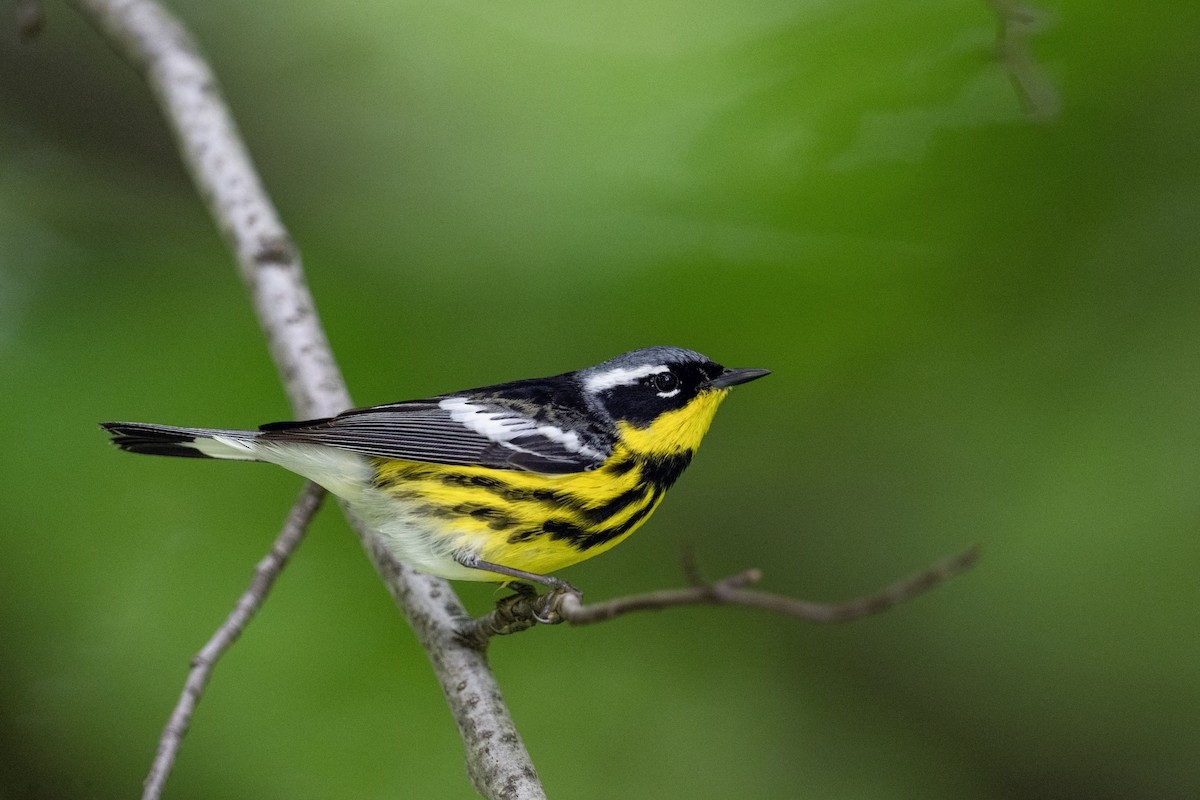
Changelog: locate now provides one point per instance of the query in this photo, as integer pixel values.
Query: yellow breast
(537, 522)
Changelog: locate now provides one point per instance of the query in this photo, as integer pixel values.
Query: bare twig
(1016, 24)
(161, 49)
(265, 573)
(31, 18)
(526, 609)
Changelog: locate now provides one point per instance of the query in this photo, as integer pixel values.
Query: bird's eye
(665, 383)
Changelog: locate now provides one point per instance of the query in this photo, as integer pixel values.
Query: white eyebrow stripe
(620, 376)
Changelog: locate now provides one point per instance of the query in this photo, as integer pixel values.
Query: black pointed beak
(732, 377)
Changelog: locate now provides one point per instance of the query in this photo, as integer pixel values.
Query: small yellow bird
(504, 482)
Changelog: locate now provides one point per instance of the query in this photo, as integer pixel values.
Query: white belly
(410, 536)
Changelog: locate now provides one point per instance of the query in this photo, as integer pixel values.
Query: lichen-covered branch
(165, 54)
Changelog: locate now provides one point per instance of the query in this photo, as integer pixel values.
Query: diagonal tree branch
(164, 53)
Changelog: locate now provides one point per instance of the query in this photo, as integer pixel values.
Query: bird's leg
(556, 584)
(521, 610)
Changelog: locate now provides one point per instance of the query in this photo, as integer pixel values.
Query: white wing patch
(502, 427)
(569, 440)
(495, 425)
(620, 376)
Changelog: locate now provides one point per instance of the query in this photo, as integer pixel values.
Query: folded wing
(450, 430)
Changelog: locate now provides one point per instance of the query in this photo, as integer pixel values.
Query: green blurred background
(984, 328)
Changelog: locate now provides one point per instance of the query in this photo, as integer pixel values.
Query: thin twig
(1016, 24)
(524, 610)
(265, 573)
(161, 49)
(31, 18)
(885, 599)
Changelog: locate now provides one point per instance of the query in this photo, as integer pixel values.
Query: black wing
(497, 432)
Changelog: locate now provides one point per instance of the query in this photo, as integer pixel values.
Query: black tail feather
(166, 440)
(155, 440)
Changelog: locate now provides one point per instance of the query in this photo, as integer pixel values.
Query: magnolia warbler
(504, 482)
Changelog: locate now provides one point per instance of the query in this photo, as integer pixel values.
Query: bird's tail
(165, 440)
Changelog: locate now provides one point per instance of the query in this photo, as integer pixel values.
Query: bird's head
(662, 398)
